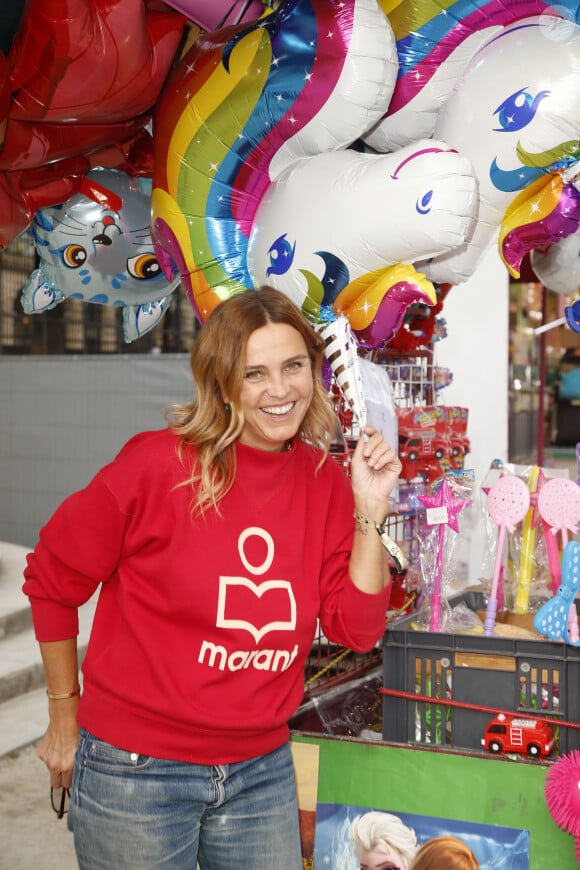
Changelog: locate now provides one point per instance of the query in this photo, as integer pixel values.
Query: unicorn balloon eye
(424, 204)
(518, 110)
(281, 255)
(72, 256)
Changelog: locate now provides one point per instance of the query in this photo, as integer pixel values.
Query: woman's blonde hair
(445, 853)
(213, 420)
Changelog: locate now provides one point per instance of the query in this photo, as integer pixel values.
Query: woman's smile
(277, 386)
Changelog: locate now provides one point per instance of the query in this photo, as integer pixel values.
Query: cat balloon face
(97, 247)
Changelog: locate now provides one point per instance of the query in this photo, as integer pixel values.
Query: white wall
(476, 351)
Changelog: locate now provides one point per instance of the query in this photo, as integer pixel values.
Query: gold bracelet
(366, 521)
(390, 546)
(64, 695)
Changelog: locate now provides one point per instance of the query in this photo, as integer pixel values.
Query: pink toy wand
(441, 510)
(552, 548)
(508, 501)
(559, 507)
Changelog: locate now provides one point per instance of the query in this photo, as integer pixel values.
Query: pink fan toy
(559, 507)
(508, 501)
(562, 792)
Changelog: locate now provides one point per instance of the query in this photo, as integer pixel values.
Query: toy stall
(362, 157)
(466, 721)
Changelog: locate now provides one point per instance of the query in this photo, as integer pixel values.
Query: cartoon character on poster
(97, 247)
(382, 839)
(349, 837)
(255, 181)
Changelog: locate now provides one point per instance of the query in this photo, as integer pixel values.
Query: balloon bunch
(77, 87)
(272, 109)
(352, 154)
(327, 144)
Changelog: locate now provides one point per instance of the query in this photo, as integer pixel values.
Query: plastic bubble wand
(551, 544)
(528, 543)
(441, 510)
(508, 501)
(559, 507)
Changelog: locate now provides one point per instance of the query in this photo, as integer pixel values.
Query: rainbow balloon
(242, 105)
(255, 181)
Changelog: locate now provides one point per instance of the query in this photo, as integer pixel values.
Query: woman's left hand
(374, 471)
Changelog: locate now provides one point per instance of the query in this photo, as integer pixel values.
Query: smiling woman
(276, 393)
(217, 552)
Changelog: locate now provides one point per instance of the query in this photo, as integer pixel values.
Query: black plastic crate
(523, 676)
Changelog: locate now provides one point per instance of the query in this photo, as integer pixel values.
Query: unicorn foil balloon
(515, 115)
(435, 43)
(558, 266)
(255, 181)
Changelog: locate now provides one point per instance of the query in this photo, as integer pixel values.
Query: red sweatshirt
(203, 625)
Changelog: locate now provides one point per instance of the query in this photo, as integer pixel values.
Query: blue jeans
(134, 811)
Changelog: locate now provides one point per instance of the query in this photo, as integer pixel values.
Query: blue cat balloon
(97, 247)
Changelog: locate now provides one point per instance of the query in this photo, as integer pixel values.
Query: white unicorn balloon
(256, 180)
(409, 205)
(515, 115)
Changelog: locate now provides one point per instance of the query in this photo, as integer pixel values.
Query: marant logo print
(240, 597)
(255, 607)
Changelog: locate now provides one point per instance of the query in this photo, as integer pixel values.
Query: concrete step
(14, 611)
(23, 705)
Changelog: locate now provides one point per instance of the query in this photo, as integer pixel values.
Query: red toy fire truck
(506, 733)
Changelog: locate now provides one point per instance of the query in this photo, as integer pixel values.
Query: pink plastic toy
(559, 505)
(508, 501)
(442, 510)
(562, 791)
(559, 508)
(551, 544)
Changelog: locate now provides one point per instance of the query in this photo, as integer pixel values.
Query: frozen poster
(348, 837)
